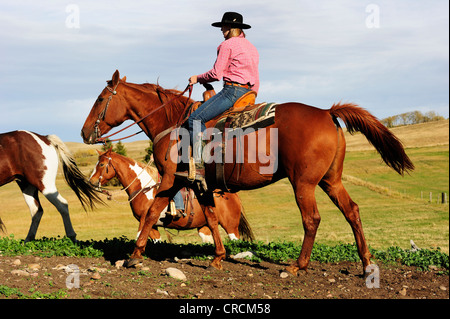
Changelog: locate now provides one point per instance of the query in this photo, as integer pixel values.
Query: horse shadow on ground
(121, 248)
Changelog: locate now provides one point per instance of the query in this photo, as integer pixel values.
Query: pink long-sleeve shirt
(237, 61)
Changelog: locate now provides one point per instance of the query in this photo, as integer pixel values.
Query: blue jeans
(178, 199)
(213, 107)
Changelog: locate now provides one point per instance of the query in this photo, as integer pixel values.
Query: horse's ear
(99, 152)
(109, 150)
(115, 78)
(124, 79)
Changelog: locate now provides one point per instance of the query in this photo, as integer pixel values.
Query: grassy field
(394, 209)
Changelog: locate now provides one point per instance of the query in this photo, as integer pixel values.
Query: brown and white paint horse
(32, 161)
(139, 181)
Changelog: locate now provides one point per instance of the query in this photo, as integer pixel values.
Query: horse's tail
(85, 192)
(245, 231)
(390, 148)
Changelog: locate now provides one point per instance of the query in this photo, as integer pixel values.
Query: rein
(102, 114)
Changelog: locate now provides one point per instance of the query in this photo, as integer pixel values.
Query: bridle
(102, 114)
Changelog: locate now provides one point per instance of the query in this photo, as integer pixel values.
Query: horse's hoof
(293, 270)
(132, 262)
(215, 265)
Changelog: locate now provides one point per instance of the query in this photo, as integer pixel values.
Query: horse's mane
(169, 94)
(149, 168)
(163, 94)
(178, 101)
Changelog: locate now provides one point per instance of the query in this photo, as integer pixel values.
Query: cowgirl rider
(237, 64)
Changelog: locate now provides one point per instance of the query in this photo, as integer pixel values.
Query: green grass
(278, 251)
(16, 293)
(430, 174)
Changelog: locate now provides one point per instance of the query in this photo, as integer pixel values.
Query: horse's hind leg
(30, 194)
(63, 208)
(213, 224)
(210, 211)
(154, 234)
(342, 200)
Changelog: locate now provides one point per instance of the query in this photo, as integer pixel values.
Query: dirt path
(241, 279)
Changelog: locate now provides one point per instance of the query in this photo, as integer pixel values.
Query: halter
(134, 195)
(106, 167)
(102, 114)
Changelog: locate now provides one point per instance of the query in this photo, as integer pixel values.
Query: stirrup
(201, 184)
(173, 210)
(191, 175)
(199, 180)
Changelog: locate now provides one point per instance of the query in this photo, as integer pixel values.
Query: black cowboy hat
(233, 19)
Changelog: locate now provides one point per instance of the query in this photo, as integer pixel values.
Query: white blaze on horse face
(51, 162)
(144, 178)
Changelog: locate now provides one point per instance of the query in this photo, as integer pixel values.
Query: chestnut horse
(32, 161)
(139, 181)
(309, 150)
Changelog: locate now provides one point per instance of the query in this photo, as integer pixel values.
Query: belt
(247, 86)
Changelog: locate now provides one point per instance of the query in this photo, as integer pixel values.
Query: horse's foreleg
(306, 201)
(146, 223)
(30, 194)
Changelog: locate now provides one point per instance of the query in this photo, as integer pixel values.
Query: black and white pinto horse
(32, 161)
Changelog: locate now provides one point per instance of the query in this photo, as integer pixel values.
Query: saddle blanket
(260, 116)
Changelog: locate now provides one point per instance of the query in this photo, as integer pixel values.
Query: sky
(388, 56)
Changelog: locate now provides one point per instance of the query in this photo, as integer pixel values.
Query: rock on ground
(175, 273)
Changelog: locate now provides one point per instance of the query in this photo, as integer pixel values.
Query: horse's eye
(100, 99)
(102, 164)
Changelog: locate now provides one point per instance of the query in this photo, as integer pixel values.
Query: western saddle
(246, 100)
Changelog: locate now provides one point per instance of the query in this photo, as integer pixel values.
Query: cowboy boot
(196, 162)
(196, 173)
(196, 170)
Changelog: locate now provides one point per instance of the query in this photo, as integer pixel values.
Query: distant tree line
(119, 148)
(414, 117)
